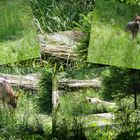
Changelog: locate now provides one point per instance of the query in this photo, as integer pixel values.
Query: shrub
(45, 91)
(128, 122)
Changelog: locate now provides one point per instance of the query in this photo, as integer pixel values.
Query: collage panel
(18, 36)
(53, 87)
(96, 101)
(115, 38)
(25, 91)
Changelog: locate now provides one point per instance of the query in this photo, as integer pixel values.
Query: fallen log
(24, 81)
(58, 52)
(67, 38)
(76, 84)
(30, 81)
(96, 101)
(60, 45)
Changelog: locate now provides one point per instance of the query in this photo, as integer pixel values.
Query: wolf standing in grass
(7, 94)
(133, 27)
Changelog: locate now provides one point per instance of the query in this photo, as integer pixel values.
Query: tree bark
(135, 99)
(58, 52)
(30, 81)
(77, 84)
(96, 101)
(24, 81)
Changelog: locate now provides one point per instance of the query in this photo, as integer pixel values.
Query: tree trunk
(55, 92)
(30, 81)
(78, 84)
(58, 52)
(135, 99)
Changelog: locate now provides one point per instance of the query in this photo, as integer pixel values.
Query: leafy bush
(128, 122)
(122, 83)
(67, 128)
(44, 100)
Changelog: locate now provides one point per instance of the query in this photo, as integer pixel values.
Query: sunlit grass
(24, 122)
(75, 103)
(18, 39)
(109, 42)
(59, 15)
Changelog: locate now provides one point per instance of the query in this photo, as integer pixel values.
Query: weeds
(75, 103)
(67, 128)
(109, 43)
(17, 32)
(45, 92)
(23, 123)
(59, 15)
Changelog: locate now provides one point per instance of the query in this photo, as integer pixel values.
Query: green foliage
(121, 83)
(84, 25)
(128, 120)
(109, 43)
(133, 2)
(17, 32)
(10, 21)
(97, 133)
(12, 128)
(24, 67)
(8, 125)
(23, 122)
(59, 15)
(75, 103)
(44, 100)
(68, 128)
(83, 73)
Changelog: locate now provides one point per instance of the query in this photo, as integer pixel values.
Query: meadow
(18, 40)
(110, 43)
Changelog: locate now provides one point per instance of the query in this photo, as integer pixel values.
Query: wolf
(133, 27)
(7, 94)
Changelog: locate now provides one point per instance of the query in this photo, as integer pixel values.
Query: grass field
(109, 42)
(18, 39)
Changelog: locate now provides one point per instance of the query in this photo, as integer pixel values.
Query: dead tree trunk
(24, 81)
(30, 81)
(78, 84)
(58, 52)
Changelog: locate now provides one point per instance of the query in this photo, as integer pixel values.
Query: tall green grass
(24, 122)
(17, 32)
(75, 103)
(10, 21)
(109, 43)
(44, 99)
(56, 15)
(24, 67)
